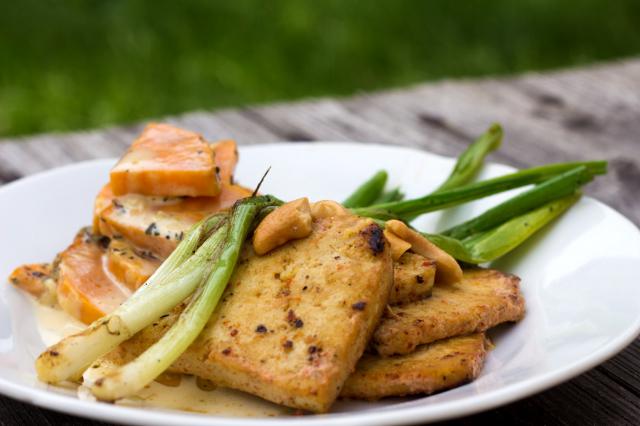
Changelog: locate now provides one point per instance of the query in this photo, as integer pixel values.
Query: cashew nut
(288, 222)
(447, 269)
(397, 244)
(327, 208)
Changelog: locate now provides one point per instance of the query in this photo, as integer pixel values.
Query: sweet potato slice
(484, 298)
(32, 278)
(226, 157)
(157, 223)
(84, 290)
(168, 161)
(103, 201)
(431, 368)
(413, 277)
(129, 265)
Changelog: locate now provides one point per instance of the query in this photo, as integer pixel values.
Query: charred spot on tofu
(359, 306)
(375, 238)
(293, 320)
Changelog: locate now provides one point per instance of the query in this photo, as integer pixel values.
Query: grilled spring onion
(173, 282)
(178, 276)
(130, 378)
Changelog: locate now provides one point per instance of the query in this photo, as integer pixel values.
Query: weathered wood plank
(568, 115)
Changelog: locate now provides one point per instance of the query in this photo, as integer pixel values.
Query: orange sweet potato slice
(226, 157)
(129, 265)
(32, 278)
(85, 290)
(157, 223)
(168, 161)
(103, 201)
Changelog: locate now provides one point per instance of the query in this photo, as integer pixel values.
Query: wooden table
(578, 114)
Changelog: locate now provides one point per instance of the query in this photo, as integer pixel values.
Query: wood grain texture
(568, 115)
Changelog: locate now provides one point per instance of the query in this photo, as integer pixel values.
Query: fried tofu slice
(441, 365)
(483, 299)
(167, 161)
(157, 224)
(293, 323)
(413, 277)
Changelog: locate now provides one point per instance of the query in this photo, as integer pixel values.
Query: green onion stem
(128, 379)
(173, 281)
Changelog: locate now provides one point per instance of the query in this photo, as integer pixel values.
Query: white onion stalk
(172, 282)
(123, 381)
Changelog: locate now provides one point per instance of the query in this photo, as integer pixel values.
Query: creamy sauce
(54, 324)
(189, 397)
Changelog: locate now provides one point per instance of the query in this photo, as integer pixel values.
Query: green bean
(410, 209)
(560, 186)
(495, 243)
(470, 161)
(392, 195)
(368, 192)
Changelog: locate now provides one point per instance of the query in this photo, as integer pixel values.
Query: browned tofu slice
(167, 161)
(431, 368)
(483, 299)
(292, 324)
(413, 277)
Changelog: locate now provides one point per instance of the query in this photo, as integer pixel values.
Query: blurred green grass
(78, 64)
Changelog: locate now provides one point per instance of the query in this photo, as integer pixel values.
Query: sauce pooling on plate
(54, 324)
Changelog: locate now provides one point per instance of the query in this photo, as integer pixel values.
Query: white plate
(579, 276)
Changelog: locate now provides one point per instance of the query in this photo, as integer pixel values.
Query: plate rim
(68, 404)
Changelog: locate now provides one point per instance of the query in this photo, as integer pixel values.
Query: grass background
(78, 64)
